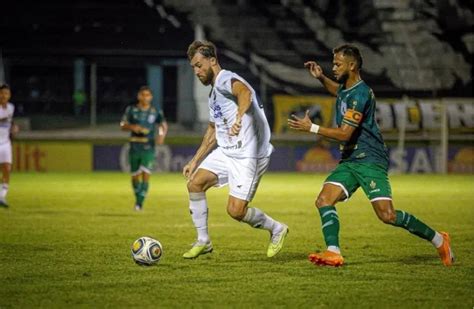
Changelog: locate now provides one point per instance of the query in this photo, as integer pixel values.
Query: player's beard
(343, 77)
(145, 102)
(207, 80)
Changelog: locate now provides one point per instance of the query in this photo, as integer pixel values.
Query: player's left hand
(14, 129)
(160, 139)
(235, 130)
(301, 124)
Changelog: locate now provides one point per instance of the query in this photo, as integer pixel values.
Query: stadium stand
(419, 48)
(277, 36)
(40, 41)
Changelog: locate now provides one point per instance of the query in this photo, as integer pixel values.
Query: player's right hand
(301, 124)
(135, 128)
(314, 69)
(139, 129)
(188, 169)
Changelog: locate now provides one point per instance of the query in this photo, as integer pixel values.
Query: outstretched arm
(317, 72)
(342, 134)
(208, 143)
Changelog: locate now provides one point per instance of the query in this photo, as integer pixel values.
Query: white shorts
(6, 153)
(242, 175)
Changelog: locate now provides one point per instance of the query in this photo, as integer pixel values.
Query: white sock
(334, 249)
(258, 219)
(198, 210)
(437, 240)
(4, 191)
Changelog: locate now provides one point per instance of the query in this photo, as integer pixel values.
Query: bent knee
(388, 217)
(195, 186)
(323, 200)
(236, 213)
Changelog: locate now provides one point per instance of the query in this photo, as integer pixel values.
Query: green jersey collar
(353, 86)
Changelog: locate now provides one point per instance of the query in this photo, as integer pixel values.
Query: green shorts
(141, 161)
(373, 179)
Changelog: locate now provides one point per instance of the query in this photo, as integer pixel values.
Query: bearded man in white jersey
(239, 128)
(6, 129)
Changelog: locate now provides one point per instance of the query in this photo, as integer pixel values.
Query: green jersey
(355, 106)
(147, 119)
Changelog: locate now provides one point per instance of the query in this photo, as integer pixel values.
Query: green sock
(413, 225)
(136, 190)
(330, 225)
(142, 193)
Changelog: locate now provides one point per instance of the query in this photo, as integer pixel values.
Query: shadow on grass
(420, 259)
(281, 259)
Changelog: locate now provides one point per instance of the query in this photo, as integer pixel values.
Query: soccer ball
(146, 251)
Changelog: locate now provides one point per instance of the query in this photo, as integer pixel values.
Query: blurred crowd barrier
(54, 156)
(419, 115)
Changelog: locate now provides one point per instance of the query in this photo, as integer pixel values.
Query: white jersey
(6, 118)
(253, 140)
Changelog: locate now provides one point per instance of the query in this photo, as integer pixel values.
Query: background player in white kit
(239, 127)
(6, 128)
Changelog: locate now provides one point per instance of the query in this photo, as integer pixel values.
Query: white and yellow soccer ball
(146, 251)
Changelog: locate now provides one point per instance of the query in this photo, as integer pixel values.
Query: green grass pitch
(65, 241)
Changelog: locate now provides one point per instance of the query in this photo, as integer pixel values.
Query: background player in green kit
(142, 120)
(364, 158)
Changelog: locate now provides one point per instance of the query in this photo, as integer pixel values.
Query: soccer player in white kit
(6, 128)
(239, 127)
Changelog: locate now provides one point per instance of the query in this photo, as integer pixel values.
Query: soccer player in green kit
(142, 120)
(364, 158)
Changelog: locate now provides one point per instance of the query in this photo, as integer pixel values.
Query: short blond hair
(205, 48)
